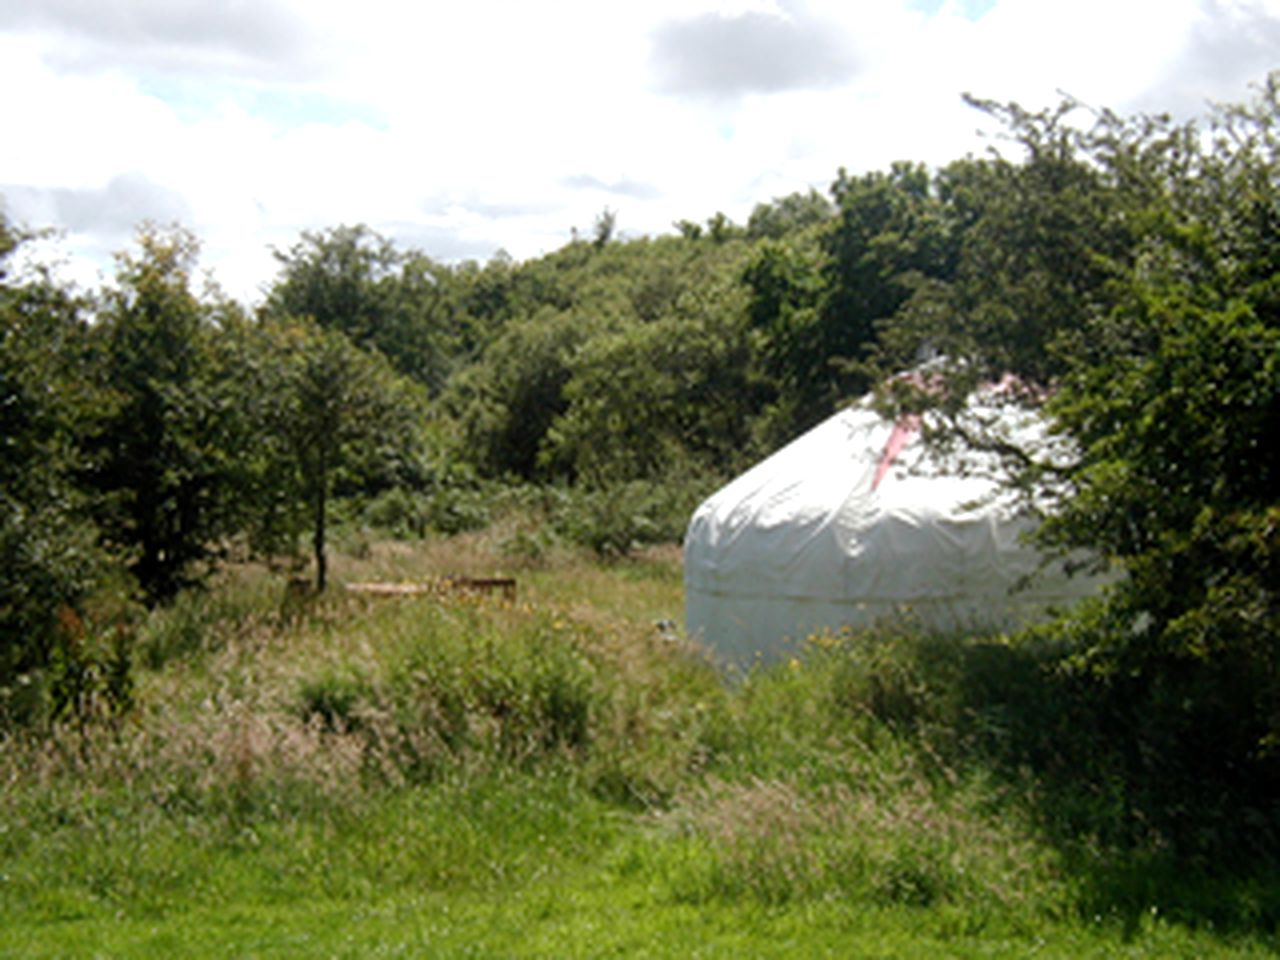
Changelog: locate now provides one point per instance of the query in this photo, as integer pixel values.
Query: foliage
(891, 234)
(785, 282)
(506, 403)
(1125, 275)
(53, 567)
(1004, 708)
(619, 519)
(618, 360)
(789, 214)
(1033, 245)
(1174, 401)
(164, 439)
(334, 415)
(352, 280)
(642, 401)
(822, 297)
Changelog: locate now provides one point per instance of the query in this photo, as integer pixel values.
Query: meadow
(468, 775)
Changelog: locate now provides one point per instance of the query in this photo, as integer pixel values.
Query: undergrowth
(282, 749)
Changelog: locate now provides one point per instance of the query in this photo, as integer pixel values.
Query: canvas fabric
(858, 520)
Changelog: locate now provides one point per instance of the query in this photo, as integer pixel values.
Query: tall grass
(1004, 736)
(338, 749)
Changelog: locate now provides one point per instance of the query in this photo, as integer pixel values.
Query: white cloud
(719, 56)
(466, 127)
(235, 37)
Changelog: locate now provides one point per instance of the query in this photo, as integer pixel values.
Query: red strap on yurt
(902, 433)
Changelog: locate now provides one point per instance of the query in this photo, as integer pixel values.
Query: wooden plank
(503, 585)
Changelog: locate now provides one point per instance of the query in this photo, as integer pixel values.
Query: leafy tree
(892, 231)
(51, 560)
(785, 283)
(1173, 397)
(335, 413)
(688, 230)
(353, 280)
(1127, 271)
(506, 403)
(1034, 243)
(821, 309)
(487, 297)
(788, 214)
(658, 399)
(604, 228)
(721, 229)
(165, 438)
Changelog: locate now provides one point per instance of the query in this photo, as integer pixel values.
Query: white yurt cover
(855, 521)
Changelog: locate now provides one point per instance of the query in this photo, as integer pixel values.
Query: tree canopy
(52, 561)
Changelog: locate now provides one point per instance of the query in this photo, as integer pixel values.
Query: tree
(354, 280)
(720, 229)
(785, 282)
(335, 413)
(164, 442)
(1034, 243)
(51, 559)
(1129, 274)
(1172, 395)
(577, 311)
(822, 296)
(604, 228)
(657, 399)
(788, 214)
(507, 401)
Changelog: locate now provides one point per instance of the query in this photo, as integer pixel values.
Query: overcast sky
(464, 127)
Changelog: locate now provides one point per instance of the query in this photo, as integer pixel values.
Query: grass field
(461, 775)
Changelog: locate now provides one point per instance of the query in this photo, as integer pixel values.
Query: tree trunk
(322, 487)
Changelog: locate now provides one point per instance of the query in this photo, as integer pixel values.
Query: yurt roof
(858, 519)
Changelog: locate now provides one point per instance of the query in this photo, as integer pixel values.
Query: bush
(615, 521)
(334, 700)
(454, 503)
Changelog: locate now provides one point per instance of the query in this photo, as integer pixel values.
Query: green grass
(460, 776)
(599, 909)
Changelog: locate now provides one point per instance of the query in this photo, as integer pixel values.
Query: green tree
(335, 414)
(656, 399)
(822, 310)
(788, 214)
(604, 228)
(578, 310)
(1035, 242)
(52, 563)
(353, 280)
(721, 229)
(165, 439)
(785, 283)
(1128, 271)
(507, 401)
(1172, 395)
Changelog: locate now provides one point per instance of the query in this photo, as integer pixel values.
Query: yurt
(858, 520)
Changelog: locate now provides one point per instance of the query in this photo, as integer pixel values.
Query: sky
(464, 128)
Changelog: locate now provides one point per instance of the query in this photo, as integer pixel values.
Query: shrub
(334, 700)
(617, 520)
